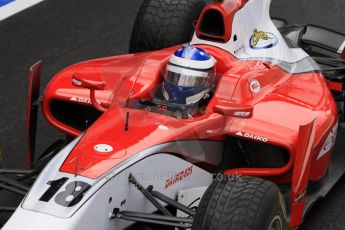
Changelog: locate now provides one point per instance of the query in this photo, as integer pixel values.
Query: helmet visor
(188, 78)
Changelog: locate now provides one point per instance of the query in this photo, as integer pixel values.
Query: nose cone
(108, 142)
(29, 220)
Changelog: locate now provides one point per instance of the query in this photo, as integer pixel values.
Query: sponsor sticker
(83, 100)
(242, 114)
(262, 40)
(239, 49)
(255, 86)
(300, 197)
(252, 136)
(179, 177)
(330, 142)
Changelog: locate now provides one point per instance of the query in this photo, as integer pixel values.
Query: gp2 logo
(330, 142)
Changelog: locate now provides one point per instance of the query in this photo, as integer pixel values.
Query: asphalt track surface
(63, 32)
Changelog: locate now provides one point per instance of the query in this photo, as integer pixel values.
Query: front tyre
(1, 156)
(244, 203)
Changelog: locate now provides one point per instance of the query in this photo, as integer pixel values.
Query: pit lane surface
(63, 32)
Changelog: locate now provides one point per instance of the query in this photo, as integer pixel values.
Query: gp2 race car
(269, 144)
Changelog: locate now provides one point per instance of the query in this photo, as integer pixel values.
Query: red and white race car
(257, 157)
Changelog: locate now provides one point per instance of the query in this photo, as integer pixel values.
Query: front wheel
(243, 203)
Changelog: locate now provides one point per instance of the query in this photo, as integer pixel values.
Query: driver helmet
(188, 76)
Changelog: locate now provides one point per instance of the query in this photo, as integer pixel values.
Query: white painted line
(16, 7)
(341, 48)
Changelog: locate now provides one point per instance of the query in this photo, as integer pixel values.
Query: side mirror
(245, 112)
(79, 81)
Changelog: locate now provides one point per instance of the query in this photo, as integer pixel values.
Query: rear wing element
(324, 38)
(315, 40)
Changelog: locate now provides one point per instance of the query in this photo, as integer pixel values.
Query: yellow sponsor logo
(262, 40)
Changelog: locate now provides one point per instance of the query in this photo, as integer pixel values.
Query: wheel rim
(276, 223)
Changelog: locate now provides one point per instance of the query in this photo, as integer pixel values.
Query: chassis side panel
(168, 178)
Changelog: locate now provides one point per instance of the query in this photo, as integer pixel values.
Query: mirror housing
(79, 81)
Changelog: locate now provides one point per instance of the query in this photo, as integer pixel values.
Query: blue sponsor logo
(262, 40)
(5, 2)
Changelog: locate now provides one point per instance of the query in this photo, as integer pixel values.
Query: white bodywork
(255, 16)
(110, 191)
(190, 198)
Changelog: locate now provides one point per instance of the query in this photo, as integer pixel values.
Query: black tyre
(164, 23)
(1, 156)
(243, 203)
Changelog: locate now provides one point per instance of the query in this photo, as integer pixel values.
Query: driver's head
(189, 76)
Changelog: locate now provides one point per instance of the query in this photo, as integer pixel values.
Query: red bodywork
(228, 10)
(293, 111)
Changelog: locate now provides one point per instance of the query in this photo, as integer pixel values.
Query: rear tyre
(164, 23)
(244, 203)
